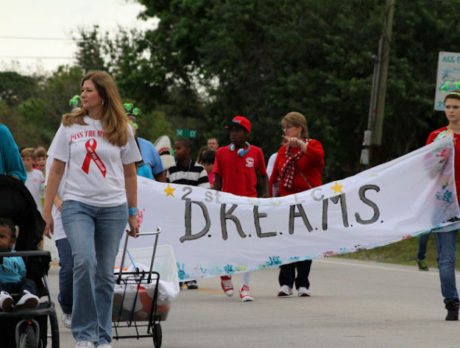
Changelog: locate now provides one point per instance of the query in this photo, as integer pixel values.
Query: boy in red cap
(235, 170)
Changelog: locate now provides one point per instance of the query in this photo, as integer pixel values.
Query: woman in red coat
(298, 167)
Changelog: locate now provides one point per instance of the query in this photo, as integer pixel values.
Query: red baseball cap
(240, 121)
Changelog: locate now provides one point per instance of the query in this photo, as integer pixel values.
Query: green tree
(139, 78)
(154, 124)
(24, 134)
(45, 111)
(210, 60)
(421, 30)
(15, 88)
(136, 77)
(121, 54)
(265, 58)
(90, 54)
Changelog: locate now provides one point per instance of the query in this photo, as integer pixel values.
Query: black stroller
(27, 327)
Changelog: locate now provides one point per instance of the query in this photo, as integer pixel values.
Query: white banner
(214, 233)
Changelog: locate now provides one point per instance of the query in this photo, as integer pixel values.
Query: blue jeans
(422, 245)
(65, 296)
(446, 244)
(19, 287)
(94, 235)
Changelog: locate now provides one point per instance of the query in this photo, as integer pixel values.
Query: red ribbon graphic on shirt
(91, 154)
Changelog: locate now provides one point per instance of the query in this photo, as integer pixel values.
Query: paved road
(354, 304)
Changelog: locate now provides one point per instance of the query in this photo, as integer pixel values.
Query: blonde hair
(40, 152)
(114, 120)
(28, 152)
(296, 119)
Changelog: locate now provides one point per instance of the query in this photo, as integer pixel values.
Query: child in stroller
(12, 273)
(27, 327)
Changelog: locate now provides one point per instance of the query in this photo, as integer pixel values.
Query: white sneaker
(67, 320)
(84, 344)
(6, 302)
(285, 291)
(105, 345)
(304, 292)
(28, 300)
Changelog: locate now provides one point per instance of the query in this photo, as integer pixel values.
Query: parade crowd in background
(76, 193)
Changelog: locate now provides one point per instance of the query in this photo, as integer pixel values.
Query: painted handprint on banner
(181, 272)
(273, 261)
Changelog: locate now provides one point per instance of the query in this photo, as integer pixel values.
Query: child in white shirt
(35, 179)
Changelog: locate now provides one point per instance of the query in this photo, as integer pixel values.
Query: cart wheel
(54, 328)
(157, 335)
(28, 337)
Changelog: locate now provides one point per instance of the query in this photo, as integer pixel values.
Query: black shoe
(422, 266)
(192, 285)
(452, 309)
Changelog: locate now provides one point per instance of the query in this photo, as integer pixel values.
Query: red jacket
(311, 164)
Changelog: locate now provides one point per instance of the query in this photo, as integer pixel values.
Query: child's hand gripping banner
(215, 233)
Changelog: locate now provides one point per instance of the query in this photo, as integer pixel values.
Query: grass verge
(403, 252)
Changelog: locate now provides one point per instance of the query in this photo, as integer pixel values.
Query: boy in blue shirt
(13, 272)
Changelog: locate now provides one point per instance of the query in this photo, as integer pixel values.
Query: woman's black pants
(287, 274)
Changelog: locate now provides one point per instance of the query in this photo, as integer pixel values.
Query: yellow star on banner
(253, 202)
(169, 191)
(337, 188)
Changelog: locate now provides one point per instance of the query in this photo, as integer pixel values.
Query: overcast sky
(44, 28)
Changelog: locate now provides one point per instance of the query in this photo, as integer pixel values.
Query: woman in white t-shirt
(98, 148)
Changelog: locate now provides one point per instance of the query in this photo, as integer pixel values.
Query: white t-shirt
(271, 164)
(94, 166)
(33, 183)
(59, 232)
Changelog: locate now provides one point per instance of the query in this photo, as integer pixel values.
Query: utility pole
(373, 135)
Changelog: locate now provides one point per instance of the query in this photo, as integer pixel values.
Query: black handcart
(135, 305)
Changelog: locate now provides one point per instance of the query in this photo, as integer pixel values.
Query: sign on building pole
(448, 78)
